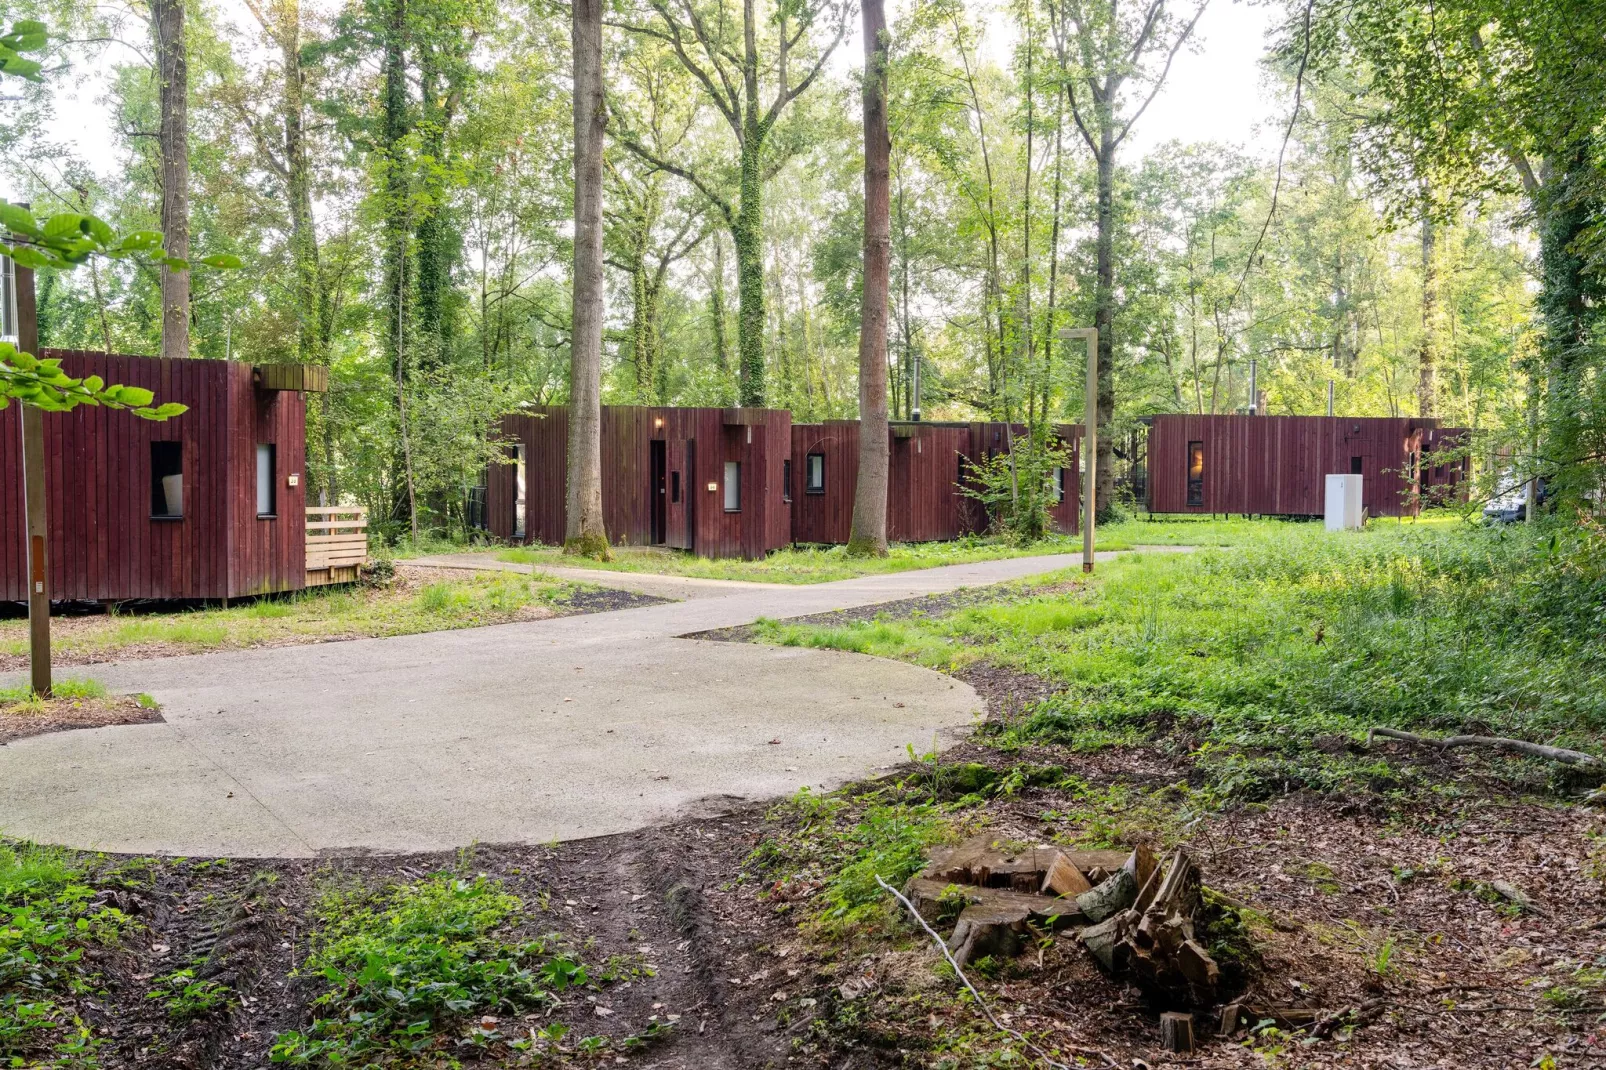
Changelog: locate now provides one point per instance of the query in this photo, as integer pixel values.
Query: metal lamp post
(1090, 431)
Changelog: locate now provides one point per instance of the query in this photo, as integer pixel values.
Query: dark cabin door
(658, 489)
(677, 506)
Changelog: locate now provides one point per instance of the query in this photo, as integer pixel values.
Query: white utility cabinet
(1344, 511)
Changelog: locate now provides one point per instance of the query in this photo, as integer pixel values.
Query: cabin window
(733, 486)
(519, 509)
(814, 474)
(8, 300)
(1354, 466)
(674, 487)
(167, 480)
(1058, 487)
(266, 485)
(786, 480)
(1196, 473)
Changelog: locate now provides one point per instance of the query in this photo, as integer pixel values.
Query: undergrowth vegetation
(49, 918)
(1268, 661)
(414, 973)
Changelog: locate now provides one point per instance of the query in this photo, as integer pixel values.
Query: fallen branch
(1516, 746)
(942, 946)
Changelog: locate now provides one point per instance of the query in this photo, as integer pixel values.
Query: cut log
(1229, 1020)
(980, 861)
(1113, 896)
(933, 898)
(1063, 878)
(1141, 863)
(1176, 1032)
(1107, 942)
(1154, 946)
(991, 928)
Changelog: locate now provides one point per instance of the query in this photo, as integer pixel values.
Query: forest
(395, 180)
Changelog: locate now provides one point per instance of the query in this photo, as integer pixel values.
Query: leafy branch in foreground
(42, 384)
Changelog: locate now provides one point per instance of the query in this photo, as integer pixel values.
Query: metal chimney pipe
(1329, 397)
(1254, 394)
(914, 391)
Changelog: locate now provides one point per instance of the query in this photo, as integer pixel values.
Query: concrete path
(556, 729)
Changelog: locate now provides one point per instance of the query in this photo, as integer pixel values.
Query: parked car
(1510, 504)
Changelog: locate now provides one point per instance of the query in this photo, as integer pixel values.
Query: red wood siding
(924, 502)
(1277, 465)
(104, 544)
(761, 443)
(1450, 479)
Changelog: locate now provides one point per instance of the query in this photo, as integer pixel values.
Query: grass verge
(418, 600)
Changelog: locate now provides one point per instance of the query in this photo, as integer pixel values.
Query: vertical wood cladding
(924, 502)
(757, 439)
(104, 542)
(1278, 465)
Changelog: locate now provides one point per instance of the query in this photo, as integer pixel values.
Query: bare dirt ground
(18, 721)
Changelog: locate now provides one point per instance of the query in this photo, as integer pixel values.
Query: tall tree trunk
(584, 532)
(716, 312)
(1427, 354)
(173, 139)
(868, 537)
(303, 233)
(1104, 312)
(397, 194)
(748, 233)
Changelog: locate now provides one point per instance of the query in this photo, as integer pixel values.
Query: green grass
(1267, 661)
(402, 971)
(807, 564)
(48, 919)
(463, 601)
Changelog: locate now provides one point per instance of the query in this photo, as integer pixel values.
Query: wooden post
(1176, 1032)
(1090, 436)
(33, 482)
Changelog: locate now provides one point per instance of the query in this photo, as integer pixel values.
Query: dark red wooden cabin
(924, 502)
(115, 533)
(707, 480)
(1277, 465)
(1446, 465)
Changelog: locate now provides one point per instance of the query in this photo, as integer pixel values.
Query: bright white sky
(1214, 93)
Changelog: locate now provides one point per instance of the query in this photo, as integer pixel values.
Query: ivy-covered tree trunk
(173, 139)
(747, 230)
(434, 241)
(1566, 297)
(584, 532)
(868, 536)
(394, 129)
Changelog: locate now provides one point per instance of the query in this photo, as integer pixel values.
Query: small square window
(814, 474)
(733, 486)
(267, 485)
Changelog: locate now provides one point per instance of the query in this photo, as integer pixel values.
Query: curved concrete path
(556, 729)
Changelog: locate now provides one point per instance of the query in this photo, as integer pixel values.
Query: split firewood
(1109, 898)
(1153, 945)
(1515, 746)
(1176, 1032)
(1063, 878)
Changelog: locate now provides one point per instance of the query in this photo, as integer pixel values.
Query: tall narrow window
(814, 474)
(167, 480)
(518, 490)
(786, 480)
(733, 486)
(674, 488)
(1059, 485)
(266, 484)
(1354, 466)
(1196, 473)
(8, 300)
